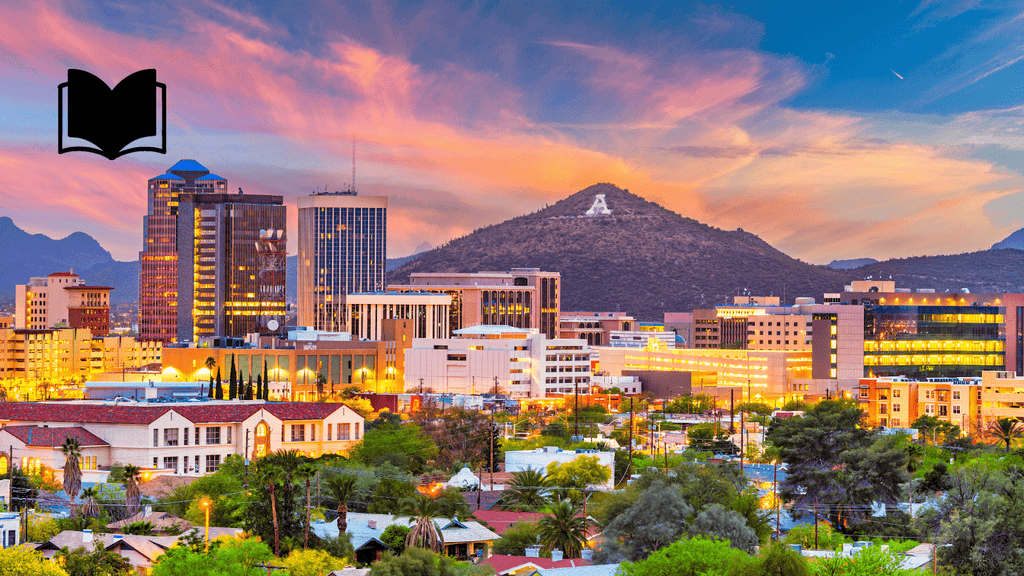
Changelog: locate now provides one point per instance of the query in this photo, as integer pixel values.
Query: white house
(10, 529)
(178, 438)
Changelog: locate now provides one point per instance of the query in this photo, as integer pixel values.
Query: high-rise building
(222, 285)
(62, 299)
(342, 250)
(158, 260)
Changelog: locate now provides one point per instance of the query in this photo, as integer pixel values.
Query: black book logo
(112, 119)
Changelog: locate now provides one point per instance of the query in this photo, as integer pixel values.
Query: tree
(233, 381)
(1006, 430)
(403, 445)
(259, 387)
(247, 395)
(655, 519)
(394, 537)
(305, 472)
(527, 490)
(72, 450)
(89, 507)
(564, 529)
(341, 489)
(936, 430)
(226, 557)
(24, 561)
(272, 476)
(421, 511)
(133, 496)
(574, 478)
(936, 479)
(413, 562)
(451, 502)
(99, 562)
(219, 390)
(391, 489)
(698, 556)
(780, 559)
(266, 389)
(313, 563)
(517, 538)
(210, 363)
(718, 521)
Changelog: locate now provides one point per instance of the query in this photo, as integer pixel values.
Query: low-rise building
(462, 538)
(519, 361)
(594, 327)
(191, 438)
(427, 311)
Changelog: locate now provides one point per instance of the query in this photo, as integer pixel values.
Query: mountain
(642, 259)
(983, 271)
(850, 264)
(1015, 241)
(26, 255)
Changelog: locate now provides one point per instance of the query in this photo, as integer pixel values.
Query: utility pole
(775, 495)
(490, 433)
(815, 522)
(732, 410)
(246, 456)
(576, 410)
(480, 487)
(743, 446)
(629, 463)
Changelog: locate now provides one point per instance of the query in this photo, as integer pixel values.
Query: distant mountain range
(1014, 241)
(643, 259)
(850, 264)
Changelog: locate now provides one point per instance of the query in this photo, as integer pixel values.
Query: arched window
(261, 447)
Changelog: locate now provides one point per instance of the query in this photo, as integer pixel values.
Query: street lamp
(205, 504)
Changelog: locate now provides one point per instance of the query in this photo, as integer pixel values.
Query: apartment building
(594, 327)
(62, 299)
(427, 312)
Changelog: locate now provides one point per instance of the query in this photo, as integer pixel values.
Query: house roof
(592, 570)
(37, 436)
(159, 520)
(503, 564)
(61, 274)
(359, 528)
(501, 520)
(119, 414)
(149, 546)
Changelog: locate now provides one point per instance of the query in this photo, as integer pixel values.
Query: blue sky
(831, 130)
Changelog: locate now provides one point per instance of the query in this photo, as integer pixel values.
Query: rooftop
(187, 165)
(167, 176)
(98, 412)
(210, 177)
(491, 330)
(39, 437)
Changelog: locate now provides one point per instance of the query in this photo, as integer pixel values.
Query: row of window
(171, 436)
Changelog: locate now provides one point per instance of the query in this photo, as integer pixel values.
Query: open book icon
(112, 119)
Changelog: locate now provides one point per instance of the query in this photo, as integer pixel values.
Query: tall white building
(342, 250)
(520, 362)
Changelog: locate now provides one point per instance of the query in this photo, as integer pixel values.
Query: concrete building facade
(520, 297)
(62, 299)
(520, 362)
(427, 311)
(594, 327)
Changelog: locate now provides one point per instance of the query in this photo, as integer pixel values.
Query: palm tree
(563, 529)
(1006, 430)
(306, 470)
(89, 507)
(421, 511)
(526, 491)
(341, 489)
(132, 495)
(72, 450)
(273, 476)
(210, 362)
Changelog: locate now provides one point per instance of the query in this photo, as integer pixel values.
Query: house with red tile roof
(524, 565)
(184, 438)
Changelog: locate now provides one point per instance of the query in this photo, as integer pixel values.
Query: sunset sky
(831, 130)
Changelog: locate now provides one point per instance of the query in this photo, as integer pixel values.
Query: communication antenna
(353, 163)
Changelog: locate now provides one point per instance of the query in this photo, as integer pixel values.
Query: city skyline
(892, 136)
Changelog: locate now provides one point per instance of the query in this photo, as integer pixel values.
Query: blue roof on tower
(210, 177)
(188, 165)
(167, 176)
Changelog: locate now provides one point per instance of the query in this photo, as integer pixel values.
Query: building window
(956, 394)
(298, 432)
(896, 393)
(929, 408)
(154, 463)
(171, 463)
(343, 431)
(170, 436)
(228, 440)
(943, 411)
(956, 408)
(186, 436)
(357, 430)
(197, 464)
(330, 432)
(197, 439)
(895, 407)
(312, 432)
(12, 538)
(882, 409)
(156, 438)
(929, 394)
(213, 434)
(212, 462)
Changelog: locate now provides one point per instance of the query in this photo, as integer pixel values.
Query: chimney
(556, 555)
(372, 524)
(147, 510)
(86, 536)
(533, 551)
(587, 554)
